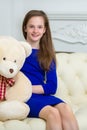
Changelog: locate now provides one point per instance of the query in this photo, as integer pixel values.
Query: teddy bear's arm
(21, 90)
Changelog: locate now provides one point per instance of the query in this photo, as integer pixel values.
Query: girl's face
(35, 29)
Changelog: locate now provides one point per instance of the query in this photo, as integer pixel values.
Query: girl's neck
(34, 45)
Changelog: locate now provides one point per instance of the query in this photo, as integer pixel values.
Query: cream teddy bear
(15, 87)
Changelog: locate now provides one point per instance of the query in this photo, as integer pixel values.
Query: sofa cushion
(72, 88)
(72, 78)
(14, 124)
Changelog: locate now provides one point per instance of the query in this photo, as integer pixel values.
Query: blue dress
(36, 75)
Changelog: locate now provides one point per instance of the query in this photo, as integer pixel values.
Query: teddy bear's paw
(13, 110)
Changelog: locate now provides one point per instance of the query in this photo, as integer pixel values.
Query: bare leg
(68, 119)
(52, 117)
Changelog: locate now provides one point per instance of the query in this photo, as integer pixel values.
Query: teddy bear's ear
(27, 48)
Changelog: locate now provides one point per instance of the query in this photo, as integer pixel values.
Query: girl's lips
(35, 35)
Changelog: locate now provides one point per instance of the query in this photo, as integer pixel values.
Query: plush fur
(12, 58)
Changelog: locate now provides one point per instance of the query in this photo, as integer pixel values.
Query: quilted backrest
(72, 78)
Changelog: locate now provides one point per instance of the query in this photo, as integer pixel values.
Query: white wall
(13, 11)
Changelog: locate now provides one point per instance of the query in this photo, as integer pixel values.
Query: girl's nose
(35, 29)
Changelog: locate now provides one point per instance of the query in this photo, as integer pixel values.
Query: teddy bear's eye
(15, 61)
(4, 58)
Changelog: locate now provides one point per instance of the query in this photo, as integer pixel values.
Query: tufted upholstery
(72, 75)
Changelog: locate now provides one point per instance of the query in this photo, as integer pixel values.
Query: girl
(40, 68)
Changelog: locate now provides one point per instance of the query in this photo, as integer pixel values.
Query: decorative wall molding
(67, 15)
(72, 32)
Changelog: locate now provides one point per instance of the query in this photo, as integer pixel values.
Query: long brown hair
(46, 52)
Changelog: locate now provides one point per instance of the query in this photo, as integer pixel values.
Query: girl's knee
(64, 109)
(53, 114)
(50, 112)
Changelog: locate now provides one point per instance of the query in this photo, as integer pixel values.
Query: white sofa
(72, 73)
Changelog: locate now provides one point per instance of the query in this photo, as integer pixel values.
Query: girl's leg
(68, 119)
(52, 117)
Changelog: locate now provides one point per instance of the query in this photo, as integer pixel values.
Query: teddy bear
(15, 87)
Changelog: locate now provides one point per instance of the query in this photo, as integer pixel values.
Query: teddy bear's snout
(11, 70)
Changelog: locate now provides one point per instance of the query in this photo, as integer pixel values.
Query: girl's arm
(50, 86)
(38, 89)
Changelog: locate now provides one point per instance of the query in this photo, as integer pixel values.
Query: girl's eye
(15, 61)
(31, 26)
(4, 58)
(40, 27)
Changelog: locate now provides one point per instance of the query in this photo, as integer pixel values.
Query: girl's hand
(38, 89)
